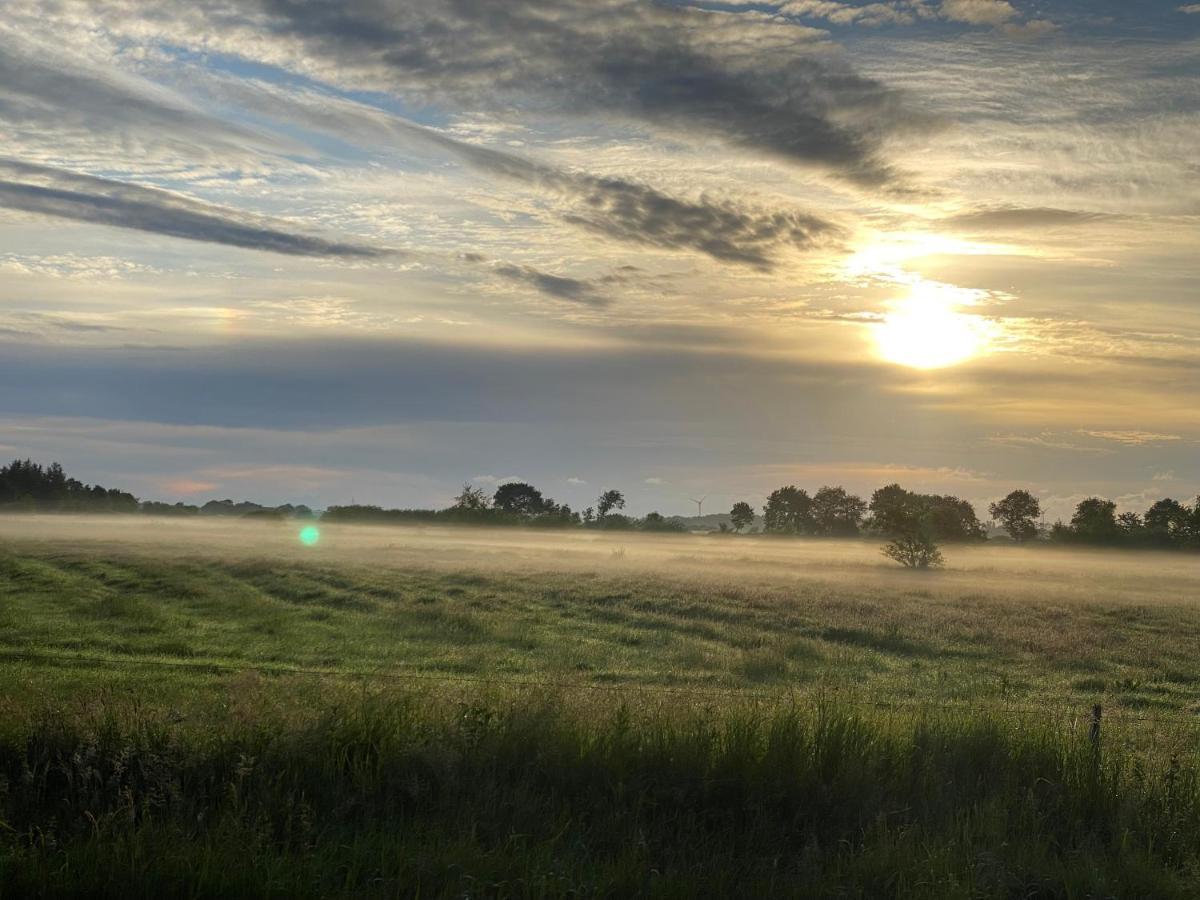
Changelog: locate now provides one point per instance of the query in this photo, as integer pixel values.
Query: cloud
(618, 208)
(1000, 218)
(187, 486)
(1046, 440)
(978, 12)
(50, 99)
(1133, 438)
(870, 14)
(496, 481)
(724, 231)
(1190, 9)
(997, 13)
(57, 325)
(637, 213)
(756, 81)
(558, 286)
(1032, 30)
(576, 481)
(653, 481)
(76, 266)
(294, 475)
(48, 191)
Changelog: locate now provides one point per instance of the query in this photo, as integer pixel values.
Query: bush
(915, 551)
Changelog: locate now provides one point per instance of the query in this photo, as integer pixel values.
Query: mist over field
(1033, 575)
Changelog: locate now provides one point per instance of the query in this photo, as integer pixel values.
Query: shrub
(915, 551)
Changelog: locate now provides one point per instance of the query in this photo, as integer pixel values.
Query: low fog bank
(998, 571)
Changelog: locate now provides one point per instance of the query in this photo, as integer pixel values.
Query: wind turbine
(699, 504)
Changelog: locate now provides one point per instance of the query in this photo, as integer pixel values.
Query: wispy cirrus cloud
(55, 102)
(1000, 14)
(901, 12)
(623, 209)
(1133, 437)
(48, 191)
(754, 81)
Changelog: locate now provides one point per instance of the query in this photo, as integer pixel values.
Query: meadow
(210, 708)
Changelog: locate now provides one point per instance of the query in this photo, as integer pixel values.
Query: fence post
(1094, 731)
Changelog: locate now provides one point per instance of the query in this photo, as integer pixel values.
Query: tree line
(26, 486)
(516, 503)
(831, 511)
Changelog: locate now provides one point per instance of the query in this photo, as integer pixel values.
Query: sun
(926, 330)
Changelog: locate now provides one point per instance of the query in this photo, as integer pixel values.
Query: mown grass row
(566, 795)
(902, 641)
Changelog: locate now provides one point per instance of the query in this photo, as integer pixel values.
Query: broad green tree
(788, 511)
(837, 513)
(1018, 514)
(1095, 520)
(742, 515)
(521, 499)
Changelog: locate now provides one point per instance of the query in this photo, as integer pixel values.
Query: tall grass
(574, 795)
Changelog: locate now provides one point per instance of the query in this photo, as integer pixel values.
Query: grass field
(210, 708)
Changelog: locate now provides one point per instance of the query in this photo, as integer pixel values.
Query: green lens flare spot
(309, 535)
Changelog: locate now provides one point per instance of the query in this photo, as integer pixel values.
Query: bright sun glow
(926, 330)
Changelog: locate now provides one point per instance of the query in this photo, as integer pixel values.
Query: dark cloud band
(750, 79)
(101, 201)
(1002, 218)
(638, 213)
(573, 289)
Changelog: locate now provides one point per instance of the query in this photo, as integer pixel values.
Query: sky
(369, 250)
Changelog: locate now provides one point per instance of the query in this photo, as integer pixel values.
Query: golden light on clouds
(926, 329)
(887, 253)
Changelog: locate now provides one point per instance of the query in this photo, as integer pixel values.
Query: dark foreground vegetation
(556, 795)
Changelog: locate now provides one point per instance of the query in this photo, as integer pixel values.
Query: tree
(30, 486)
(656, 521)
(155, 508)
(608, 501)
(837, 513)
(1191, 534)
(1018, 514)
(520, 499)
(949, 518)
(471, 498)
(788, 511)
(616, 522)
(1095, 521)
(1167, 522)
(893, 510)
(555, 516)
(742, 515)
(1130, 526)
(916, 550)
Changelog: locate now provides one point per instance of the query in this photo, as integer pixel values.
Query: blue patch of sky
(423, 114)
(324, 145)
